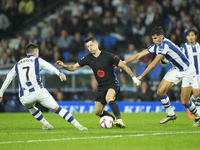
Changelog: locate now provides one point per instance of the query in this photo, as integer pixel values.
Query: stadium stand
(174, 17)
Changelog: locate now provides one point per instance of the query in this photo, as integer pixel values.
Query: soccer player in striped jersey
(31, 89)
(182, 69)
(192, 51)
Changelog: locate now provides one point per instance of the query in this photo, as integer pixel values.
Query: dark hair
(192, 30)
(93, 39)
(31, 47)
(157, 31)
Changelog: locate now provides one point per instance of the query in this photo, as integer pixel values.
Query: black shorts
(100, 95)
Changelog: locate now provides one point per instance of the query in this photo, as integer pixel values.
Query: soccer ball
(106, 122)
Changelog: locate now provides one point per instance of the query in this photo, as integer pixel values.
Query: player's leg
(187, 81)
(198, 98)
(110, 97)
(193, 98)
(48, 101)
(99, 110)
(29, 101)
(65, 114)
(185, 96)
(195, 89)
(163, 88)
(100, 103)
(39, 116)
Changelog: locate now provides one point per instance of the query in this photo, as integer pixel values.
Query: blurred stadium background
(120, 26)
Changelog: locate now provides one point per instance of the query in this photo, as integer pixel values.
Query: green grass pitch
(21, 131)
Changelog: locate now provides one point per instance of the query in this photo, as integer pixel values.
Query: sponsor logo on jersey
(101, 73)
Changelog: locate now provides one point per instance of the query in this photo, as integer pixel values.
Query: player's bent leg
(198, 103)
(163, 97)
(193, 110)
(118, 121)
(110, 97)
(38, 115)
(185, 96)
(99, 110)
(65, 114)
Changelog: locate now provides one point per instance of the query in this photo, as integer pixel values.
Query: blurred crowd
(120, 26)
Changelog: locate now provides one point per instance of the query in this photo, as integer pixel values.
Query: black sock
(115, 109)
(105, 113)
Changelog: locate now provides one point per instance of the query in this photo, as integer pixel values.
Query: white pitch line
(96, 137)
(53, 132)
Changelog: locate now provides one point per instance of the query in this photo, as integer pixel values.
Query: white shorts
(187, 76)
(41, 96)
(196, 83)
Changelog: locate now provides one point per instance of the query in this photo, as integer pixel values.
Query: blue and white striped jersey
(28, 72)
(192, 52)
(172, 53)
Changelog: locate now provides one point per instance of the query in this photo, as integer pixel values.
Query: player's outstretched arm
(74, 67)
(128, 70)
(151, 66)
(11, 75)
(62, 77)
(136, 56)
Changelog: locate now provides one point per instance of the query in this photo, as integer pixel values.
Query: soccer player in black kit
(101, 63)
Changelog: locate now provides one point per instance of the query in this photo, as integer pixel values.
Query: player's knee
(56, 108)
(185, 103)
(160, 94)
(97, 113)
(196, 94)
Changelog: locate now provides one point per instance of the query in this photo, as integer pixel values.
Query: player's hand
(1, 99)
(136, 81)
(59, 63)
(62, 77)
(139, 77)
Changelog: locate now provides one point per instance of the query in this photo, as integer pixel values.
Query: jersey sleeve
(11, 75)
(152, 48)
(114, 59)
(84, 61)
(47, 66)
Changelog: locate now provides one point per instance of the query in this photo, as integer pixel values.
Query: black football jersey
(102, 67)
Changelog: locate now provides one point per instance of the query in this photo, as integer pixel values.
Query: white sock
(65, 114)
(166, 103)
(193, 109)
(193, 99)
(198, 103)
(38, 115)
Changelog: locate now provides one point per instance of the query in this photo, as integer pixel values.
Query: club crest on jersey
(101, 73)
(98, 64)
